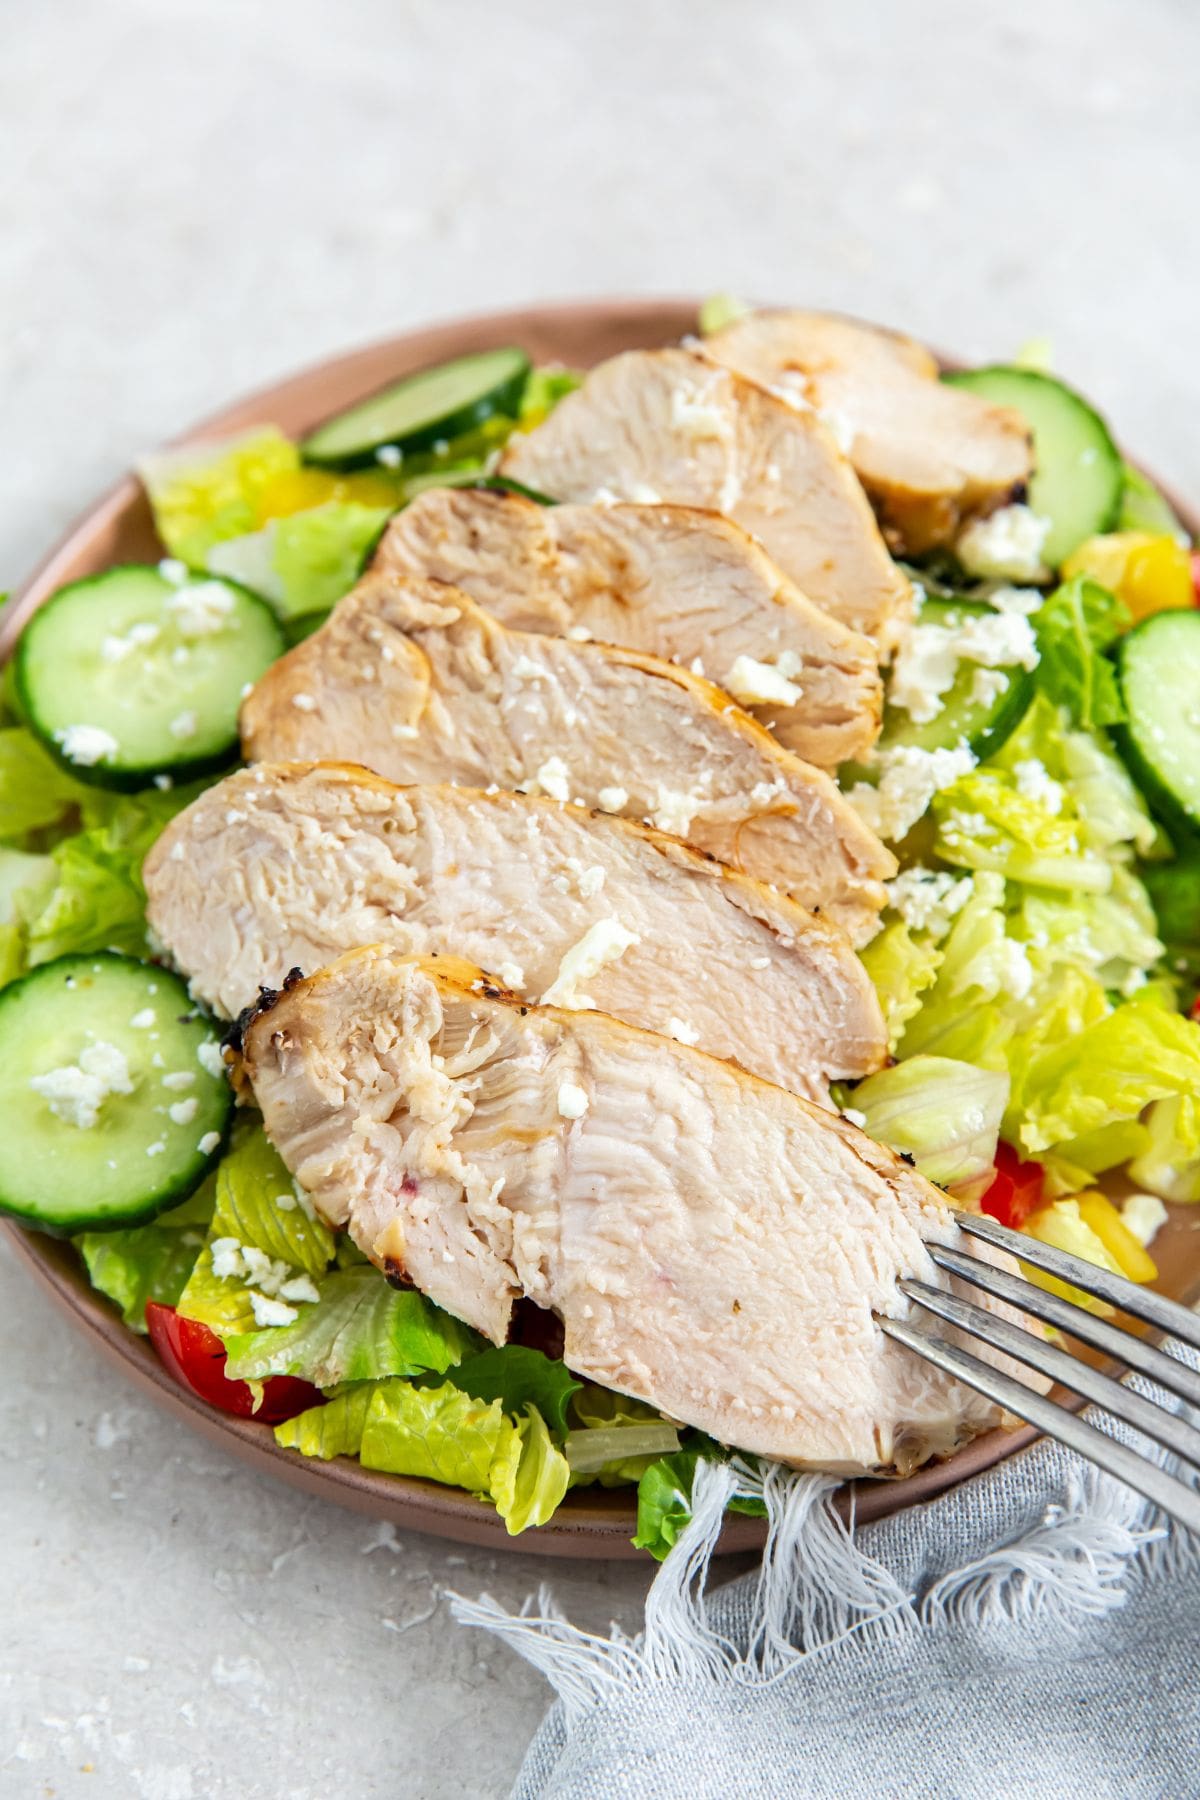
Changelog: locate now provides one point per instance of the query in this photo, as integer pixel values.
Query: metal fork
(1169, 1429)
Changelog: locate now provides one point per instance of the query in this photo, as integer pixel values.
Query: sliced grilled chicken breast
(671, 580)
(928, 455)
(712, 1244)
(289, 864)
(666, 425)
(413, 680)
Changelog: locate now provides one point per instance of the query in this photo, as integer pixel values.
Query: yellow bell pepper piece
(1131, 1256)
(1151, 572)
(1063, 1227)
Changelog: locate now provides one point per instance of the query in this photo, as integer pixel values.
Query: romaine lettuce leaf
(1075, 626)
(615, 1438)
(665, 1502)
(148, 1262)
(529, 1476)
(543, 391)
(1168, 1164)
(304, 562)
(985, 822)
(202, 495)
(335, 1429)
(944, 1114)
(519, 1376)
(902, 967)
(35, 794)
(360, 1329)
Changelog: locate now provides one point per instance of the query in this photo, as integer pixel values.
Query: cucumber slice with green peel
(302, 625)
(964, 717)
(420, 411)
(1078, 475)
(1159, 667)
(1174, 889)
(130, 674)
(113, 1104)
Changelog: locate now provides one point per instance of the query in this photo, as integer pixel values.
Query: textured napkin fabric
(1034, 1633)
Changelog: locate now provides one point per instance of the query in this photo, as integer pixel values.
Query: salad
(1036, 774)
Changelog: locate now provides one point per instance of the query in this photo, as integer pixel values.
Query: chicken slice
(289, 864)
(414, 680)
(671, 580)
(928, 455)
(712, 1244)
(666, 425)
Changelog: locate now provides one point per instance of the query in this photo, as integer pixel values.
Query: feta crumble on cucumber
(136, 674)
(94, 1051)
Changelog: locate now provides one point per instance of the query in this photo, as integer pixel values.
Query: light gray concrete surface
(197, 195)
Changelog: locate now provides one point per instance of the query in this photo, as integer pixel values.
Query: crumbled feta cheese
(756, 683)
(909, 778)
(183, 725)
(590, 881)
(389, 455)
(1144, 1214)
(928, 899)
(853, 1117)
(612, 799)
(572, 1101)
(179, 1078)
(172, 570)
(601, 943)
(300, 1287)
(642, 494)
(511, 974)
(86, 745)
(271, 1312)
(696, 666)
(1024, 600)
(200, 608)
(552, 779)
(304, 1202)
(987, 685)
(142, 1021)
(208, 1055)
(227, 1261)
(674, 811)
(579, 634)
(1006, 546)
(156, 1149)
(526, 669)
(76, 1092)
(306, 703)
(116, 649)
(164, 784)
(208, 1143)
(1000, 968)
(1035, 783)
(682, 1032)
(285, 1202)
(182, 1112)
(927, 662)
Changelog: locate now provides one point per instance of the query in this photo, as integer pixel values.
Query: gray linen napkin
(1034, 1633)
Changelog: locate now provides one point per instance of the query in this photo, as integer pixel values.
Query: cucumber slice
(129, 674)
(1078, 476)
(1174, 889)
(417, 412)
(1159, 667)
(1144, 508)
(983, 724)
(112, 1102)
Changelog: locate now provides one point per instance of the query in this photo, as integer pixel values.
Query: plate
(119, 528)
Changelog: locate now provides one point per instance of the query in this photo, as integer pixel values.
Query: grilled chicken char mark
(289, 864)
(667, 425)
(413, 680)
(712, 1244)
(673, 581)
(928, 455)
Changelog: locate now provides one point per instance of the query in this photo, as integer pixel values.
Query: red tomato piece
(1017, 1188)
(1195, 561)
(195, 1356)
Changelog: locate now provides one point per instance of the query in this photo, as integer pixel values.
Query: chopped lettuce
(1074, 628)
(258, 1207)
(718, 311)
(360, 1329)
(35, 794)
(616, 1438)
(902, 966)
(943, 1113)
(148, 1262)
(303, 563)
(664, 1505)
(1168, 1163)
(985, 822)
(543, 391)
(529, 1476)
(519, 1376)
(203, 495)
(335, 1429)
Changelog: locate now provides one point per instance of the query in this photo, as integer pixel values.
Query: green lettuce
(1144, 508)
(304, 562)
(1074, 628)
(519, 1376)
(360, 1329)
(148, 1262)
(664, 1504)
(985, 822)
(718, 311)
(944, 1114)
(335, 1429)
(615, 1438)
(543, 391)
(257, 1205)
(529, 1476)
(1168, 1163)
(203, 495)
(35, 793)
(901, 966)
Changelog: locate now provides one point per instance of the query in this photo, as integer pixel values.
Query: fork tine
(1168, 1428)
(1144, 1477)
(1143, 1303)
(1121, 1345)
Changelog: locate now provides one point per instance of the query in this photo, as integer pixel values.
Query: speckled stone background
(198, 195)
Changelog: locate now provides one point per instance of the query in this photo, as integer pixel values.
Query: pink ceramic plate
(119, 528)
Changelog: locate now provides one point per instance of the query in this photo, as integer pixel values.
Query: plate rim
(591, 1523)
